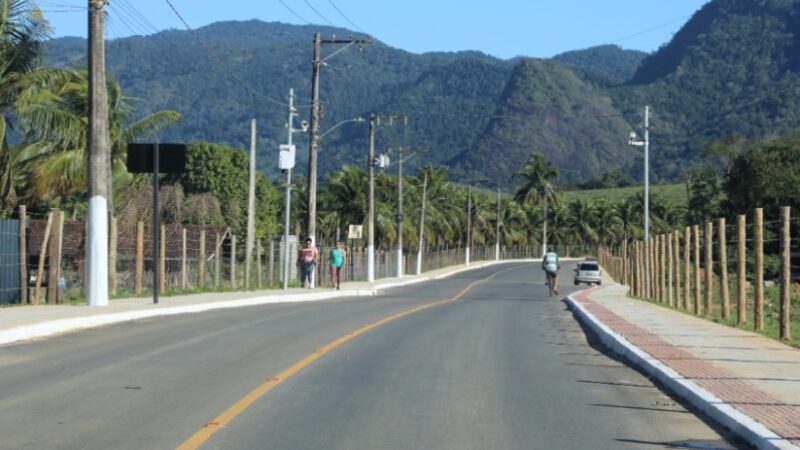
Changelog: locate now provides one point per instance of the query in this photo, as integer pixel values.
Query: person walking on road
(551, 266)
(307, 258)
(338, 259)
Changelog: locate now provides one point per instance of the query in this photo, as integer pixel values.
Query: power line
(219, 62)
(302, 19)
(346, 18)
(318, 13)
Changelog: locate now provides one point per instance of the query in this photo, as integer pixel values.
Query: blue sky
(503, 28)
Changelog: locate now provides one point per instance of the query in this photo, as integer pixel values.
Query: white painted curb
(724, 414)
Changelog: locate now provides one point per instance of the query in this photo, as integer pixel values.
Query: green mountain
(605, 63)
(547, 109)
(733, 68)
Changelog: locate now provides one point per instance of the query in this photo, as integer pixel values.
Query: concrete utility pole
(544, 225)
(469, 223)
(422, 222)
(251, 207)
(399, 215)
(289, 164)
(646, 173)
(373, 119)
(99, 163)
(316, 65)
(497, 231)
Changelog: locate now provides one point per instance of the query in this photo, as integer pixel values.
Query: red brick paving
(781, 418)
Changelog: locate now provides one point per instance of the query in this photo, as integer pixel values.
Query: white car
(588, 272)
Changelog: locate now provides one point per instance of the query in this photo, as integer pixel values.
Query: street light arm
(357, 119)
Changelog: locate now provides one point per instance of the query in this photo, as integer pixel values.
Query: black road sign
(171, 158)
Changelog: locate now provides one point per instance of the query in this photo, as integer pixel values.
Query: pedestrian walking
(307, 259)
(338, 259)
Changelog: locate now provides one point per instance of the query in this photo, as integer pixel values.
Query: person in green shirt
(338, 259)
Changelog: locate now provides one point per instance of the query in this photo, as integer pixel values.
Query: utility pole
(646, 172)
(469, 222)
(497, 231)
(99, 163)
(287, 163)
(399, 215)
(544, 225)
(422, 222)
(374, 122)
(251, 206)
(373, 119)
(316, 65)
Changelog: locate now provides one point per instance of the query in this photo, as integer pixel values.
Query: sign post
(148, 158)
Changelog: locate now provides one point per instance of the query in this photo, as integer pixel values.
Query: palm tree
(55, 121)
(23, 31)
(537, 175)
(580, 220)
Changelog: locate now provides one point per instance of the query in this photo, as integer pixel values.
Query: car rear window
(589, 266)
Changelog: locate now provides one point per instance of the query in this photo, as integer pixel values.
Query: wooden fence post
(709, 267)
(184, 275)
(741, 269)
(271, 267)
(624, 269)
(670, 270)
(676, 238)
(233, 261)
(138, 271)
(698, 303)
(687, 281)
(723, 269)
(113, 238)
(662, 277)
(54, 257)
(201, 261)
(162, 257)
(217, 260)
(23, 256)
(37, 290)
(786, 274)
(758, 307)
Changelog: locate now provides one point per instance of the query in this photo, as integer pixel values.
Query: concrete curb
(61, 326)
(724, 414)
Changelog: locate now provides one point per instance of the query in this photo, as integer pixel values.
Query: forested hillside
(733, 68)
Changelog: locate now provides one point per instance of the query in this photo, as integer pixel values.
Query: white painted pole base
(399, 264)
(497, 252)
(370, 263)
(466, 252)
(97, 253)
(419, 262)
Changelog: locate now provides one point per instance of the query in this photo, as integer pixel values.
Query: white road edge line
(724, 414)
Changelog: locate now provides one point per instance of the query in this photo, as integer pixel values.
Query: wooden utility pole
(786, 274)
(316, 65)
(99, 164)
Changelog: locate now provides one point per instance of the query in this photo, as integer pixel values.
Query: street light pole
(288, 207)
(544, 225)
(646, 173)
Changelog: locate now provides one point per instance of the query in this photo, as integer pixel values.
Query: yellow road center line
(202, 435)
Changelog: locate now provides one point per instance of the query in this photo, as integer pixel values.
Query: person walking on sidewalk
(307, 259)
(551, 266)
(338, 259)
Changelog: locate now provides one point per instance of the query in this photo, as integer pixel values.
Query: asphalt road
(501, 367)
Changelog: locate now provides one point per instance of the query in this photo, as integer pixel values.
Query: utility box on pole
(286, 157)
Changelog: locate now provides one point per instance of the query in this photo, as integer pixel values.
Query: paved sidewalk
(747, 382)
(20, 323)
